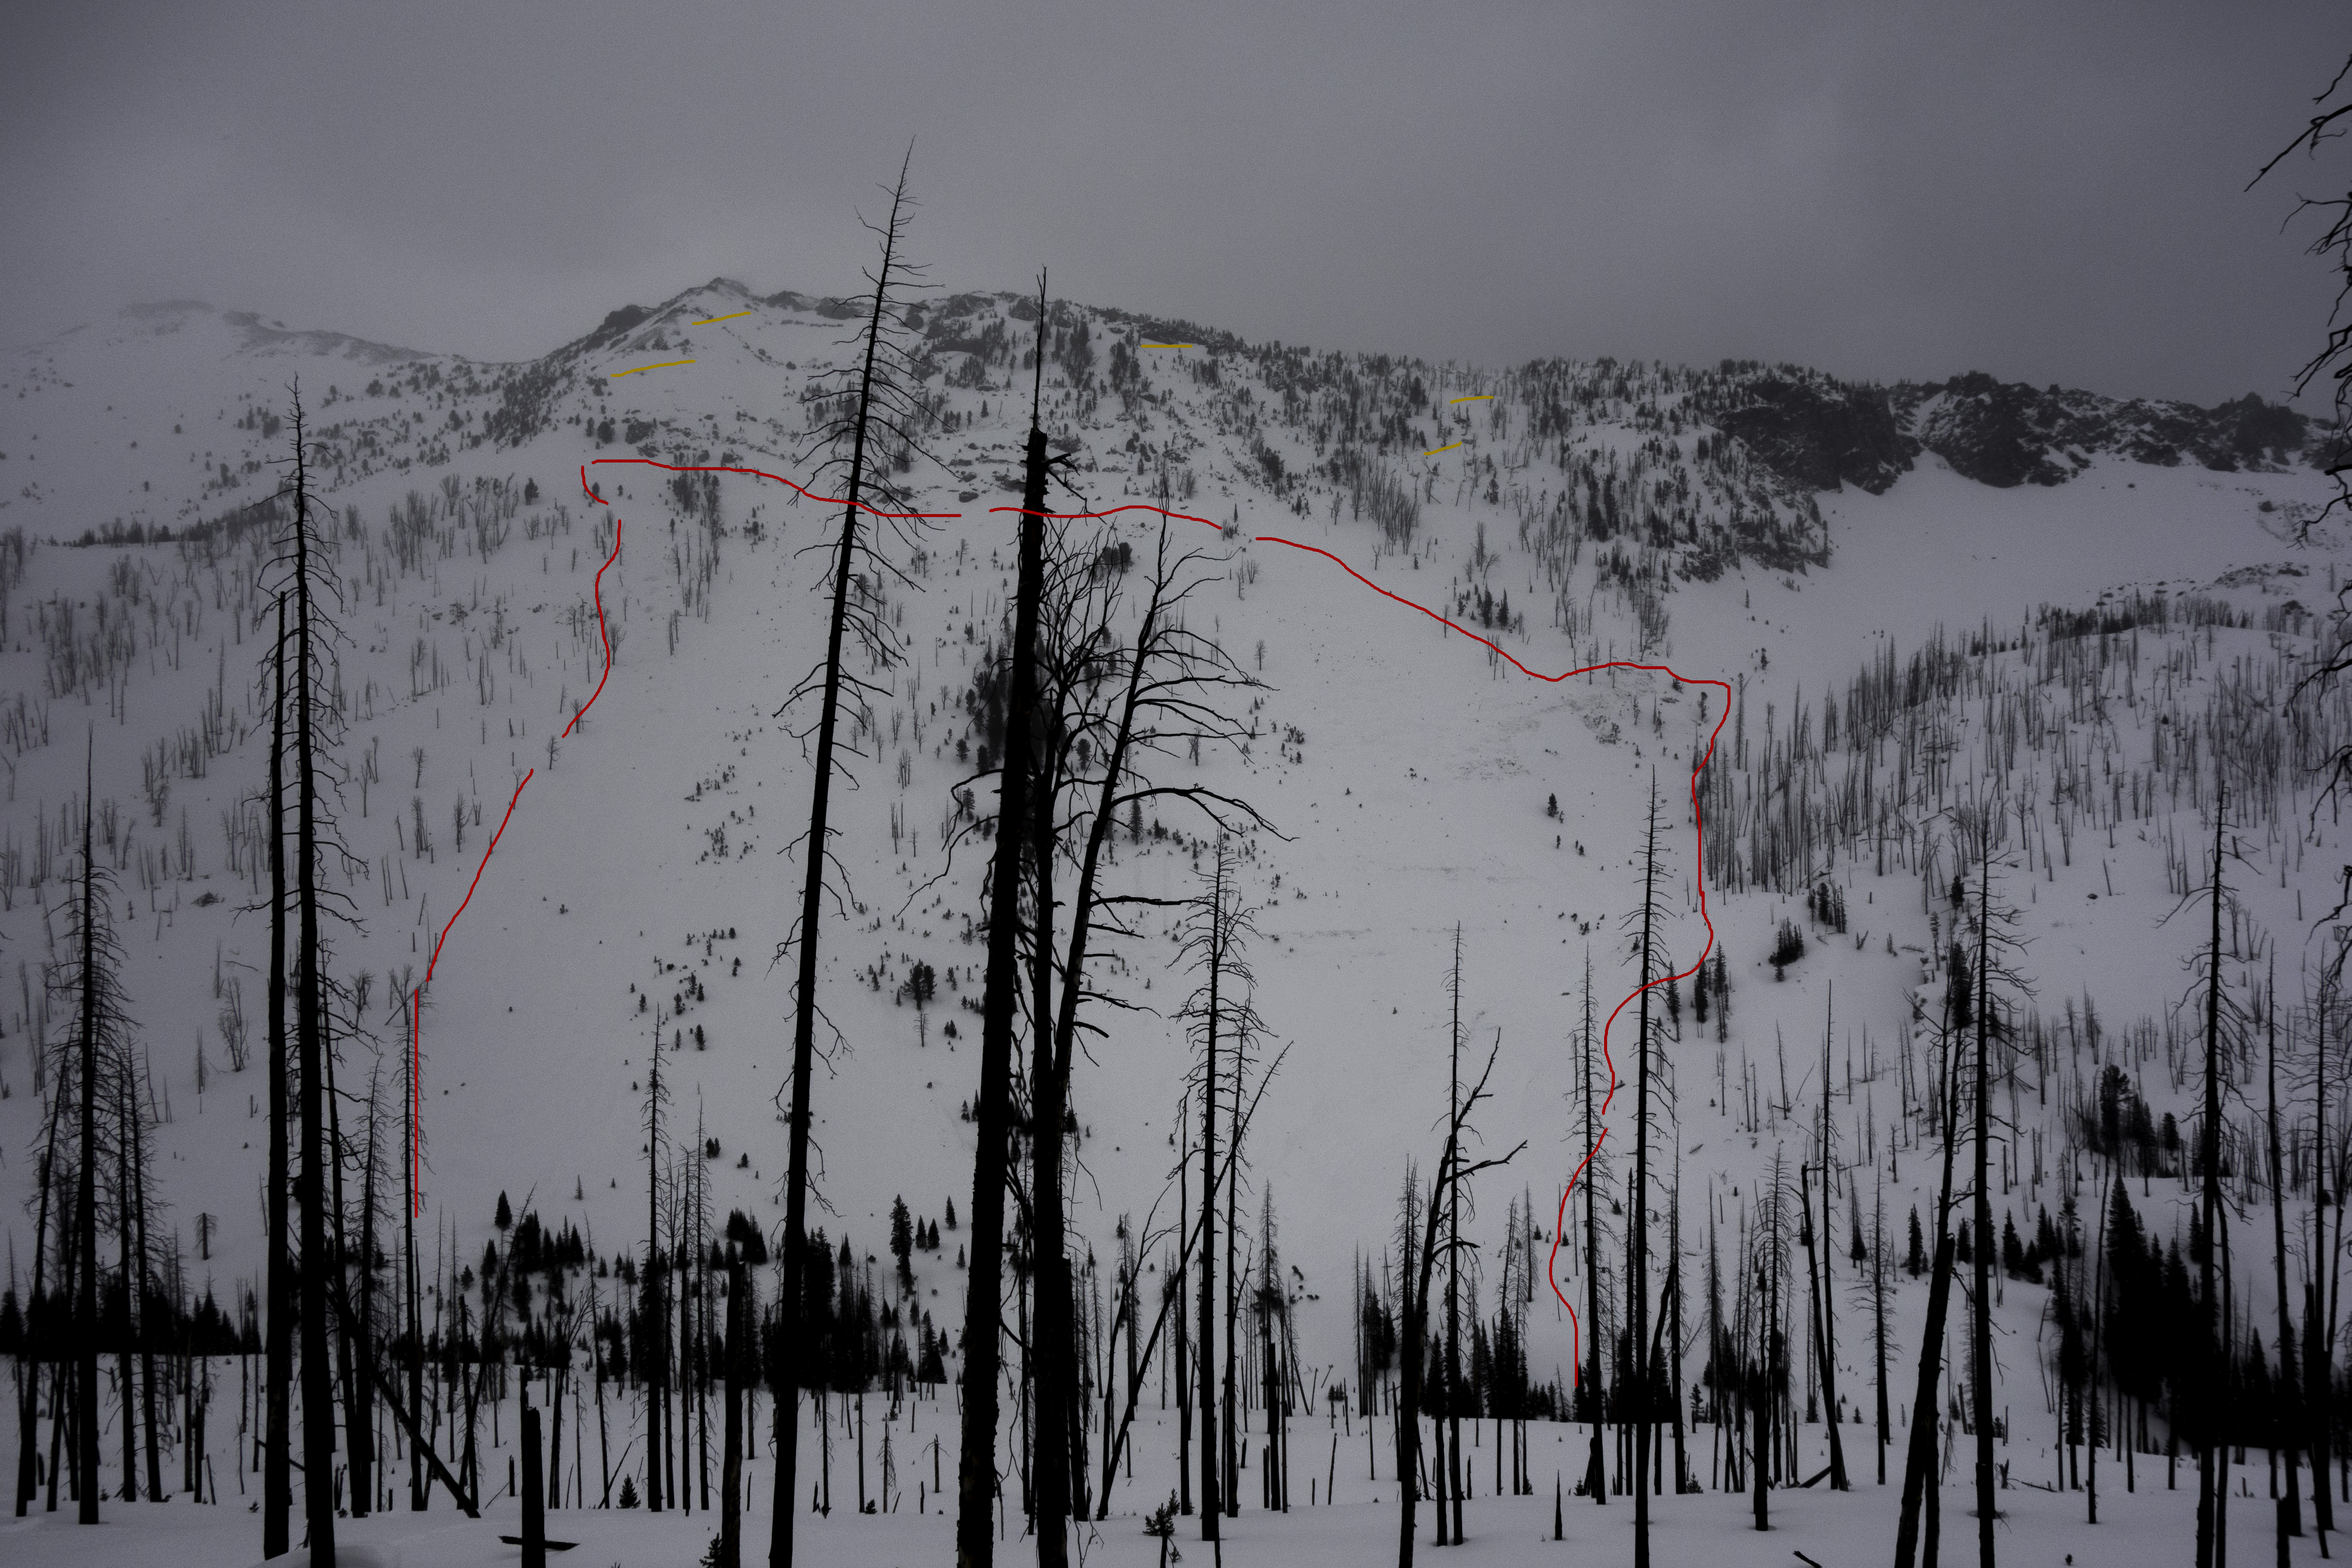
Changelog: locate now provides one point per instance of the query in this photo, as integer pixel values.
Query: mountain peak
(166, 309)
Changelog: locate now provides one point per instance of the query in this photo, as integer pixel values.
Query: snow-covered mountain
(1905, 627)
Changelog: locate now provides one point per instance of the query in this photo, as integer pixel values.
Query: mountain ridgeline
(1824, 434)
(1912, 722)
(1698, 469)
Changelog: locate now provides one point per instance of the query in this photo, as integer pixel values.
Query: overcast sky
(1885, 189)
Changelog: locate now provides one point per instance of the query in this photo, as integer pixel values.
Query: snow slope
(1413, 806)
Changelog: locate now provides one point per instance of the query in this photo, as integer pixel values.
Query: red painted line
(415, 1003)
(416, 997)
(1699, 825)
(1697, 821)
(1699, 834)
(761, 473)
(1138, 506)
(600, 632)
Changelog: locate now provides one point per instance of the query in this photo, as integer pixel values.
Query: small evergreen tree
(1161, 1525)
(1722, 991)
(902, 1243)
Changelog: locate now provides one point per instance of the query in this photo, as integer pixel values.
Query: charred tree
(2290, 1382)
(86, 1190)
(2207, 1426)
(654, 1373)
(875, 403)
(1596, 1479)
(1163, 690)
(1058, 1451)
(127, 1328)
(1637, 1224)
(310, 1030)
(412, 1294)
(1420, 1271)
(1878, 1315)
(1827, 1325)
(1980, 1320)
(992, 1112)
(1211, 938)
(277, 1454)
(1919, 1480)
(1453, 1390)
(28, 1361)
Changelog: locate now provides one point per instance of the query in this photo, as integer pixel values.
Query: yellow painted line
(1446, 448)
(1479, 397)
(707, 320)
(1172, 346)
(664, 365)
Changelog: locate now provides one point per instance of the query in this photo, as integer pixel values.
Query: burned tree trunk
(1981, 1369)
(1596, 1477)
(1204, 1383)
(1637, 1222)
(278, 1456)
(29, 1361)
(983, 1299)
(86, 1193)
(1051, 1358)
(317, 1389)
(788, 1377)
(1919, 1481)
(1419, 1275)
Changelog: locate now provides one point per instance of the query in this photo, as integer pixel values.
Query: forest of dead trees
(1710, 1322)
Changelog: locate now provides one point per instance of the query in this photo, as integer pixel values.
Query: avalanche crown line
(1698, 823)
(416, 996)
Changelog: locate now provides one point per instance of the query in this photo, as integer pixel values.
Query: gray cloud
(2052, 193)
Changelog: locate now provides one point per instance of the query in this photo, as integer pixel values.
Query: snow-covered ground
(648, 850)
(2036, 1525)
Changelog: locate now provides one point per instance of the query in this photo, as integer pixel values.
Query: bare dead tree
(1193, 1234)
(983, 1286)
(307, 592)
(278, 1471)
(1641, 1395)
(879, 399)
(1089, 744)
(2333, 358)
(1215, 931)
(30, 1362)
(1981, 831)
(95, 978)
(1452, 1170)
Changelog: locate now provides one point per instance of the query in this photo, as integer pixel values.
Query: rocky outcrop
(1822, 434)
(2007, 433)
(1812, 430)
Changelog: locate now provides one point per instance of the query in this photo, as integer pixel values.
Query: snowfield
(640, 896)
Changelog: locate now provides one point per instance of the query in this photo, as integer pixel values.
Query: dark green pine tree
(902, 1244)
